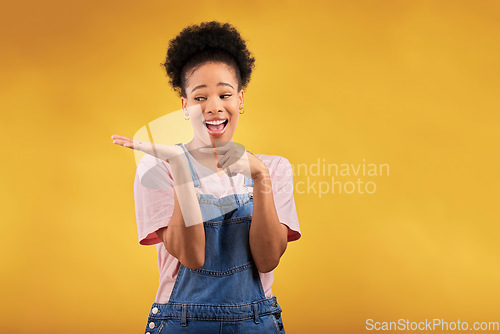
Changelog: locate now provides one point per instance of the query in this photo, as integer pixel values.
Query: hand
(234, 159)
(163, 152)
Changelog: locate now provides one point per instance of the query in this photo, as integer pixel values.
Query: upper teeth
(215, 122)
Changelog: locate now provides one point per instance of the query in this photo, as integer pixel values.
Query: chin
(220, 140)
(226, 137)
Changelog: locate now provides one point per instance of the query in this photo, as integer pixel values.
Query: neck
(205, 159)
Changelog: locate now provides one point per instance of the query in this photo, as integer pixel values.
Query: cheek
(234, 120)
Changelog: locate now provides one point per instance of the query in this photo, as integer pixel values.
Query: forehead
(210, 74)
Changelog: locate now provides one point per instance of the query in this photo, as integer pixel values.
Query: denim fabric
(263, 316)
(226, 294)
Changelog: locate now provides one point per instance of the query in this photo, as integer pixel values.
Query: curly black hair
(208, 41)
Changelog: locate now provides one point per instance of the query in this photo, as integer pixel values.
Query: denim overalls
(226, 294)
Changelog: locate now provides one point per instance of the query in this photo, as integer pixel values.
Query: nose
(213, 106)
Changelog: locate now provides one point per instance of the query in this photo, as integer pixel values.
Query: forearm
(186, 194)
(267, 243)
(185, 235)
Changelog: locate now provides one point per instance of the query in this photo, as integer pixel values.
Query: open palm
(163, 152)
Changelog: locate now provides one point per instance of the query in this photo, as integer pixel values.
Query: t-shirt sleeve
(284, 200)
(154, 198)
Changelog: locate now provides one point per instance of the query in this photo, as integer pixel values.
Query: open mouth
(216, 127)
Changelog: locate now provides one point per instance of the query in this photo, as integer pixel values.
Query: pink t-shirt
(154, 206)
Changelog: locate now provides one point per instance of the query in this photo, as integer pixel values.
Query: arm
(268, 237)
(187, 244)
(184, 241)
(186, 238)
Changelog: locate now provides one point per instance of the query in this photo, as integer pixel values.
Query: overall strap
(249, 182)
(196, 181)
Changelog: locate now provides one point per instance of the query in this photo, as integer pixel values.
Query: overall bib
(226, 294)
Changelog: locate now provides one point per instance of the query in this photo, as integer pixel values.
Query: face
(213, 89)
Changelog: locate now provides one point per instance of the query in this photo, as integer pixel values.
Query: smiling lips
(216, 127)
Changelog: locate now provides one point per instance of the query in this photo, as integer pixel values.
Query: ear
(184, 105)
(241, 98)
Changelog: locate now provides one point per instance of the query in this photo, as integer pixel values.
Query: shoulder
(278, 166)
(274, 161)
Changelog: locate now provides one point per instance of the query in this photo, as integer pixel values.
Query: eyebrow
(219, 84)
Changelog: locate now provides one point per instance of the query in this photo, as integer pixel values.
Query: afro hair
(207, 42)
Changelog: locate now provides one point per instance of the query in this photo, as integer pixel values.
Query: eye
(199, 97)
(228, 95)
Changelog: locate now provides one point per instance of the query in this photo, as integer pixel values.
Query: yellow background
(413, 84)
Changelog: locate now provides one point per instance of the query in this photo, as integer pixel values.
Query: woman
(222, 226)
